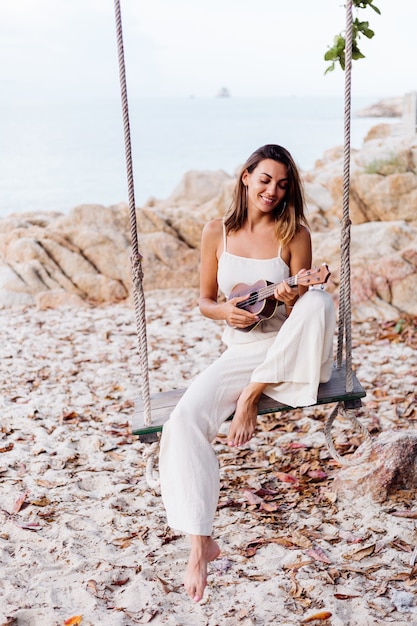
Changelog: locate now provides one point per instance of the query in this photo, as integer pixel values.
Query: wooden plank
(163, 403)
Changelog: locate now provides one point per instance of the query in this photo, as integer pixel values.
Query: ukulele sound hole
(250, 300)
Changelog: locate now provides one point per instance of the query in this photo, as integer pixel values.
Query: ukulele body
(260, 295)
(264, 308)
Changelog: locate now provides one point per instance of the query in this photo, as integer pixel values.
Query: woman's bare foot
(203, 550)
(243, 423)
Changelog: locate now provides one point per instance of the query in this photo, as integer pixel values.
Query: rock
(83, 253)
(58, 298)
(392, 465)
(168, 262)
(383, 180)
(388, 107)
(383, 267)
(198, 187)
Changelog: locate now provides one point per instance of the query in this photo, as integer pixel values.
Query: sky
(180, 48)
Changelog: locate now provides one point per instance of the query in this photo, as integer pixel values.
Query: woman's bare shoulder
(301, 237)
(213, 230)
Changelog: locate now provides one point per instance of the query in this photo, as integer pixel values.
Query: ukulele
(260, 296)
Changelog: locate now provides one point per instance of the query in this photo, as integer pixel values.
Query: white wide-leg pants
(293, 362)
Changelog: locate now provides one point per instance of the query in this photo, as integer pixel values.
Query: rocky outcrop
(392, 465)
(388, 107)
(84, 256)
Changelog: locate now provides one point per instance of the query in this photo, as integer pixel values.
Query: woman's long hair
(289, 214)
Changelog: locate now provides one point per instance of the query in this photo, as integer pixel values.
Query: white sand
(91, 539)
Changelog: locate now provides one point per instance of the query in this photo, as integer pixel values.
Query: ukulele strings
(265, 292)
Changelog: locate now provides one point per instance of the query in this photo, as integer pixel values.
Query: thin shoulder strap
(224, 237)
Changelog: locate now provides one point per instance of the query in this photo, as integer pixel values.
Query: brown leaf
(253, 546)
(400, 544)
(318, 554)
(46, 483)
(166, 587)
(120, 582)
(19, 502)
(286, 478)
(41, 502)
(27, 525)
(360, 554)
(7, 448)
(251, 497)
(92, 586)
(406, 513)
(320, 615)
(344, 596)
(148, 616)
(269, 506)
(317, 474)
(73, 621)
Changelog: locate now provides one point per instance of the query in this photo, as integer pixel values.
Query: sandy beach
(83, 538)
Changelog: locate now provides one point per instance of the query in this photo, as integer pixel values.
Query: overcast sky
(193, 47)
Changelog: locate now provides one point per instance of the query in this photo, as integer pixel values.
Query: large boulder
(391, 466)
(383, 180)
(383, 262)
(82, 253)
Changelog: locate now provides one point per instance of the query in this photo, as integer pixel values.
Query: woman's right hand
(237, 317)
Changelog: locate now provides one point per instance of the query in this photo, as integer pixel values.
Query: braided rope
(345, 318)
(151, 455)
(136, 258)
(362, 453)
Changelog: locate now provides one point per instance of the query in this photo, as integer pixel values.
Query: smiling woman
(286, 356)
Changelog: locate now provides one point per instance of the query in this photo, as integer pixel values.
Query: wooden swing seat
(163, 403)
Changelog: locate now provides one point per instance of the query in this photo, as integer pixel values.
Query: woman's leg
(299, 359)
(188, 465)
(302, 355)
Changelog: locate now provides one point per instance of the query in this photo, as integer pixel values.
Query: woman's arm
(300, 259)
(211, 248)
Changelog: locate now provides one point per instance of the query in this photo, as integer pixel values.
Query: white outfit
(293, 354)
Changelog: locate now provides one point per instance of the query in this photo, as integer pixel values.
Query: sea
(57, 155)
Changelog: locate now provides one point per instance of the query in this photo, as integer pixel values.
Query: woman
(264, 236)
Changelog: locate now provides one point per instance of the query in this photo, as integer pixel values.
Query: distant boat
(223, 93)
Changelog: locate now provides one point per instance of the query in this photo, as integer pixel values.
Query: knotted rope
(136, 258)
(345, 317)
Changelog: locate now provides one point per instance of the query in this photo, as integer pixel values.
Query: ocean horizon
(55, 156)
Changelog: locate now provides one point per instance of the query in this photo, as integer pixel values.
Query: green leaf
(359, 28)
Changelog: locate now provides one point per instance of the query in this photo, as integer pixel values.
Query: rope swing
(344, 339)
(343, 388)
(136, 257)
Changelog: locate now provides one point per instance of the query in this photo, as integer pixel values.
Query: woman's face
(266, 185)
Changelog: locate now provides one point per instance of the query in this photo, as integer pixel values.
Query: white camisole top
(233, 269)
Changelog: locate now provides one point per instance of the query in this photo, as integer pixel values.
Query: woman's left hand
(286, 294)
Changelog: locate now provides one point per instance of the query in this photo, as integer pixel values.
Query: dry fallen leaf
(360, 554)
(319, 616)
(19, 502)
(92, 586)
(318, 554)
(408, 514)
(73, 621)
(148, 616)
(286, 478)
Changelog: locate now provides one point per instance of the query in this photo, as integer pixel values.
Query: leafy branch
(337, 52)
